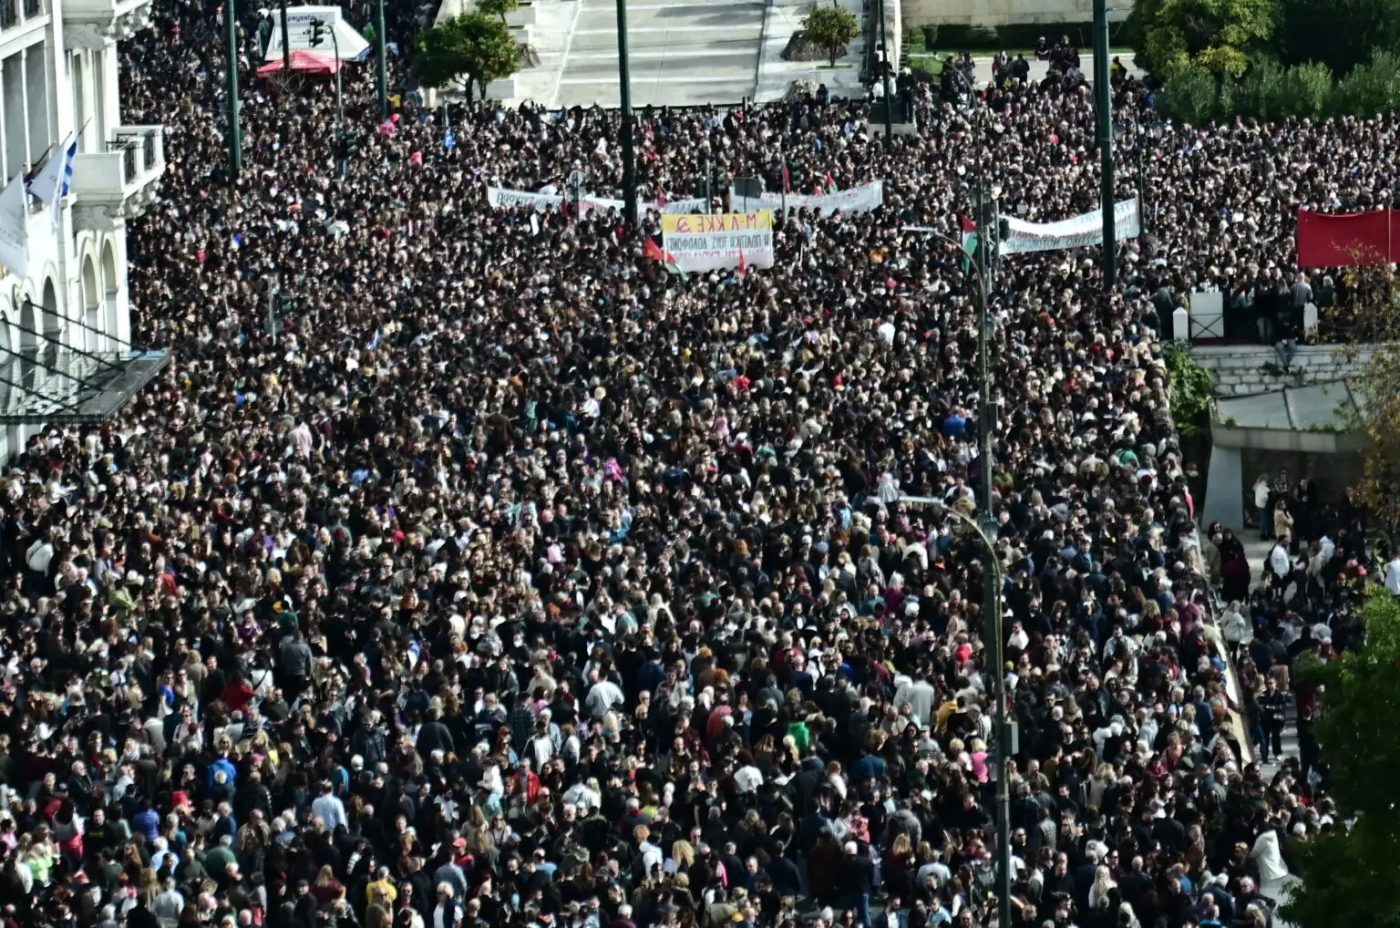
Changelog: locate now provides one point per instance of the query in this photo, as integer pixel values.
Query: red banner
(1345, 239)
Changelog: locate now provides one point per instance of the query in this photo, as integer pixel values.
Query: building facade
(69, 312)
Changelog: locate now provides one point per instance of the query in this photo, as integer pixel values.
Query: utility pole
(629, 159)
(319, 28)
(235, 132)
(885, 74)
(286, 42)
(1103, 96)
(991, 580)
(383, 62)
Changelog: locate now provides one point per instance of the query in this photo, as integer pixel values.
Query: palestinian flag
(831, 186)
(970, 241)
(654, 252)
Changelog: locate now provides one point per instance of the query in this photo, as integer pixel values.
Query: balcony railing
(124, 177)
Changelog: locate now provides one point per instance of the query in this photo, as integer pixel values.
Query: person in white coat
(1236, 628)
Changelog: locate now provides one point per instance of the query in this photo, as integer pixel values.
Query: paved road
(682, 52)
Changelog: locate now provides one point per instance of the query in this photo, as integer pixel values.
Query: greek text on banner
(707, 242)
(1075, 232)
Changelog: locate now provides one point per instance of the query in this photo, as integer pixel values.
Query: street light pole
(984, 404)
(383, 74)
(286, 42)
(996, 688)
(986, 530)
(885, 74)
(235, 133)
(339, 86)
(1103, 95)
(629, 160)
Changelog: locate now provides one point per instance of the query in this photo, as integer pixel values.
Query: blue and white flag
(14, 237)
(55, 180)
(449, 140)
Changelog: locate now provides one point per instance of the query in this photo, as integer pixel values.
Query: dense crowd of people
(510, 580)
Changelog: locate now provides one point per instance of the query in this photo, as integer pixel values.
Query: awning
(1324, 407)
(306, 63)
(53, 382)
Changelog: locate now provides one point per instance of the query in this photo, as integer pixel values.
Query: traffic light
(318, 33)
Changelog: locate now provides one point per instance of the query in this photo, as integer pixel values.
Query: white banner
(853, 200)
(710, 241)
(1075, 232)
(502, 197)
(588, 204)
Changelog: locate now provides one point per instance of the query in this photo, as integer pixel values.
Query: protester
(515, 581)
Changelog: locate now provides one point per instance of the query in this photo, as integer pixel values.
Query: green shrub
(1308, 90)
(1371, 88)
(1339, 33)
(1190, 95)
(1190, 388)
(1259, 93)
(1269, 91)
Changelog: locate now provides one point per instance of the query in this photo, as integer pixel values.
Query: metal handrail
(139, 348)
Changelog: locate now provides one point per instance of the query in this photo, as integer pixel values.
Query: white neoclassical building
(65, 334)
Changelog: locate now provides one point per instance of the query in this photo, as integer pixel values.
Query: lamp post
(1146, 131)
(629, 158)
(1103, 96)
(996, 686)
(318, 36)
(235, 133)
(885, 73)
(286, 43)
(991, 603)
(383, 74)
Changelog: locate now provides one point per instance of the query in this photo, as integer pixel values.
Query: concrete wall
(1007, 12)
(1243, 370)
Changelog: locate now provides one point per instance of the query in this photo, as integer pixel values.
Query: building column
(4, 155)
(24, 96)
(1224, 502)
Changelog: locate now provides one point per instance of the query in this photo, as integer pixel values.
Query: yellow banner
(708, 242)
(712, 223)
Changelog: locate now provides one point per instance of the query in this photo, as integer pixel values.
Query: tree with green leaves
(1338, 33)
(469, 51)
(1348, 874)
(1191, 387)
(498, 7)
(832, 27)
(1215, 35)
(1371, 318)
